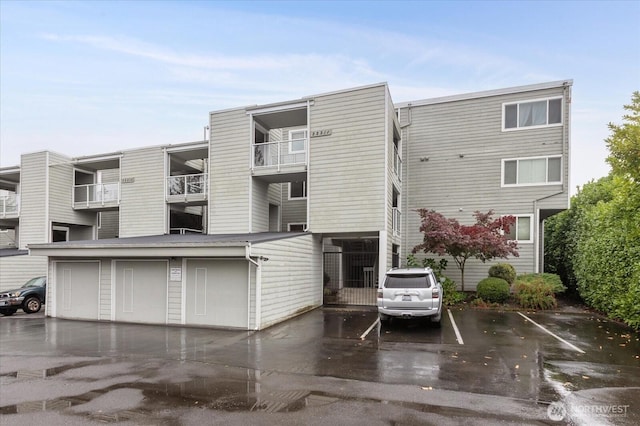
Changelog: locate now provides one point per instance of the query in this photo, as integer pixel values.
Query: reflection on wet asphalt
(316, 365)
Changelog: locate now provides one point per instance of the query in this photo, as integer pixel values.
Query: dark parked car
(30, 297)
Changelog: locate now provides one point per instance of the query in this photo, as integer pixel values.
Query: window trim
(298, 151)
(304, 191)
(531, 239)
(540, 126)
(518, 159)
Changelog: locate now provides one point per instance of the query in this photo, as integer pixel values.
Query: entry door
(216, 293)
(141, 291)
(77, 290)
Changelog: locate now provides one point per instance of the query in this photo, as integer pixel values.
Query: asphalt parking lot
(331, 365)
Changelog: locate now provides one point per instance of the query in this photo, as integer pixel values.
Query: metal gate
(350, 278)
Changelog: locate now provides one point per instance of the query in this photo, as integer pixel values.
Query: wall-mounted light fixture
(423, 159)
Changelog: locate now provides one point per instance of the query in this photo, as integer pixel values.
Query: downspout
(308, 163)
(258, 265)
(167, 225)
(405, 182)
(47, 225)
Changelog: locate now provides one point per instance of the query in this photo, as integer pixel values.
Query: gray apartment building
(285, 207)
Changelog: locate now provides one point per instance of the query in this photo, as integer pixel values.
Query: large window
(297, 190)
(532, 171)
(522, 230)
(538, 113)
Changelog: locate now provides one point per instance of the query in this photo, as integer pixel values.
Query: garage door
(77, 289)
(141, 291)
(216, 293)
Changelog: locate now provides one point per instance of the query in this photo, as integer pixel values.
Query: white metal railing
(183, 231)
(397, 163)
(9, 205)
(185, 185)
(395, 221)
(96, 194)
(280, 153)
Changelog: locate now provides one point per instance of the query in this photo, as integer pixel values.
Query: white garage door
(141, 291)
(216, 293)
(77, 289)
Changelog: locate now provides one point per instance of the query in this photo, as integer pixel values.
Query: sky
(91, 77)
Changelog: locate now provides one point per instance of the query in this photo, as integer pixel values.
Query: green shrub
(504, 271)
(534, 293)
(552, 280)
(451, 295)
(493, 290)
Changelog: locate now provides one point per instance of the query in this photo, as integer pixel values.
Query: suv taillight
(435, 293)
(379, 293)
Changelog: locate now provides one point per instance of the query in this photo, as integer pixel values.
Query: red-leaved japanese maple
(484, 240)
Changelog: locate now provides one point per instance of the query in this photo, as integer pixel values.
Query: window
(59, 233)
(297, 190)
(296, 227)
(297, 141)
(522, 230)
(532, 171)
(543, 112)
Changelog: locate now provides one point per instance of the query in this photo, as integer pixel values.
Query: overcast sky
(93, 77)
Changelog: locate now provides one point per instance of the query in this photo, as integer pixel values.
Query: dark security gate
(350, 278)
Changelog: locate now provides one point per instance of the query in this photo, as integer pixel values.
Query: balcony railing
(397, 163)
(184, 231)
(9, 206)
(396, 221)
(186, 186)
(276, 154)
(96, 194)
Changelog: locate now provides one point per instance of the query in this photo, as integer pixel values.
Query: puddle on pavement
(50, 372)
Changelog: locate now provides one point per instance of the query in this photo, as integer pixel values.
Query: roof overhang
(140, 250)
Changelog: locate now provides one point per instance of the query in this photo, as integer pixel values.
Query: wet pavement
(329, 366)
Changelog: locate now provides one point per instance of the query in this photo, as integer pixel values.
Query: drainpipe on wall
(258, 265)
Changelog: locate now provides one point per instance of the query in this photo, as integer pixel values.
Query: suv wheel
(32, 305)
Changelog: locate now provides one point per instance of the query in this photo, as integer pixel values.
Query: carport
(242, 281)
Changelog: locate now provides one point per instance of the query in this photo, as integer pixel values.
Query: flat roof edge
(487, 93)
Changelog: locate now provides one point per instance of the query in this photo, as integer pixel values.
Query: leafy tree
(624, 142)
(484, 240)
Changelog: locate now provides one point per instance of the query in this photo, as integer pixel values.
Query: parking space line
(575, 348)
(364, 335)
(455, 328)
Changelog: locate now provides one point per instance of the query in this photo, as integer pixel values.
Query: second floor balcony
(98, 196)
(187, 188)
(9, 206)
(286, 159)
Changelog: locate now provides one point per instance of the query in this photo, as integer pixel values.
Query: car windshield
(407, 281)
(34, 282)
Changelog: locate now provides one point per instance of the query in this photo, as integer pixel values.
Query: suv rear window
(407, 281)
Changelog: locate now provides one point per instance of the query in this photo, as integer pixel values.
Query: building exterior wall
(346, 184)
(17, 270)
(33, 199)
(453, 154)
(229, 178)
(142, 206)
(291, 280)
(61, 197)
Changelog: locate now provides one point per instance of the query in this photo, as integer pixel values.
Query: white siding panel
(33, 225)
(346, 169)
(17, 270)
(291, 279)
(229, 172)
(142, 209)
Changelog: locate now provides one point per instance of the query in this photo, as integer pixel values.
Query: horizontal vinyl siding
(17, 270)
(33, 226)
(61, 194)
(346, 171)
(457, 186)
(229, 172)
(260, 206)
(291, 279)
(110, 222)
(293, 211)
(104, 307)
(142, 208)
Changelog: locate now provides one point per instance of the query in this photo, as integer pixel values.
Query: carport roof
(13, 252)
(224, 245)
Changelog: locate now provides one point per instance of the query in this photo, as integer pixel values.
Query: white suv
(410, 293)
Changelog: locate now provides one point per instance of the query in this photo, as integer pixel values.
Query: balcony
(281, 161)
(397, 163)
(9, 206)
(395, 221)
(187, 188)
(96, 196)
